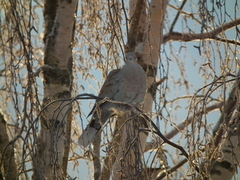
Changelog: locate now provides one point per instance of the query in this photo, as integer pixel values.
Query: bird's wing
(111, 84)
(109, 87)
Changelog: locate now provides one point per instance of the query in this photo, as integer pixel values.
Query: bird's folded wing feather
(110, 87)
(111, 84)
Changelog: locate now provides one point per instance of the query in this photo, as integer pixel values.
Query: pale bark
(7, 159)
(54, 140)
(128, 163)
(137, 16)
(113, 150)
(227, 133)
(228, 160)
(149, 38)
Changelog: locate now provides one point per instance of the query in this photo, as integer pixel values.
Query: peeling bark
(113, 150)
(53, 143)
(227, 133)
(225, 166)
(146, 42)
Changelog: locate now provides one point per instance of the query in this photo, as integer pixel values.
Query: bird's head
(131, 57)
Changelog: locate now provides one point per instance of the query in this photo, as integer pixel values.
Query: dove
(128, 85)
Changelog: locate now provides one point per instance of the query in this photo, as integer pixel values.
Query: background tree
(189, 50)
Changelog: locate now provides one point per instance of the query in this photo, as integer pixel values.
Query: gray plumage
(127, 84)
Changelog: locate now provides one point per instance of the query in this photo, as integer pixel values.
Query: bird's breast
(134, 83)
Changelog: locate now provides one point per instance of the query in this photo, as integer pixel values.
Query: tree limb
(162, 174)
(185, 123)
(178, 36)
(191, 15)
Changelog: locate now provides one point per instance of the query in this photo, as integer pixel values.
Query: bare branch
(151, 146)
(174, 168)
(178, 36)
(189, 15)
(185, 123)
(165, 140)
(176, 18)
(153, 88)
(43, 68)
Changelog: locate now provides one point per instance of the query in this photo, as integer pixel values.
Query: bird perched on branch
(127, 85)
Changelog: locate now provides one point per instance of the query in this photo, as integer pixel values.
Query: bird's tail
(87, 136)
(94, 127)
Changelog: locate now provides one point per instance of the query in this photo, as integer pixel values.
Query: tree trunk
(227, 162)
(53, 142)
(128, 164)
(227, 133)
(8, 165)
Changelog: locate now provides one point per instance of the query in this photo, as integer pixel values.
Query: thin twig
(165, 140)
(185, 123)
(176, 17)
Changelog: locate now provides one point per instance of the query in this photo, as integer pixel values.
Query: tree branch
(162, 174)
(178, 36)
(185, 123)
(165, 140)
(189, 15)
